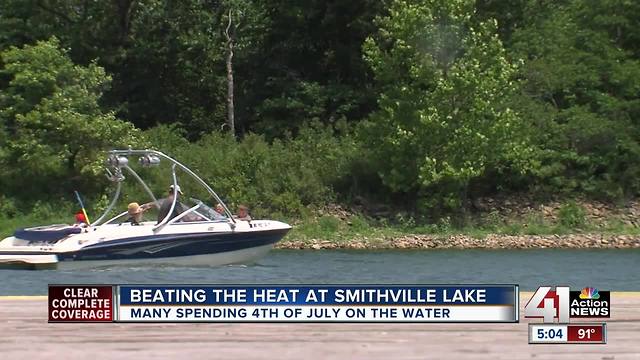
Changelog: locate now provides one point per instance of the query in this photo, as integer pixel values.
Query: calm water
(604, 269)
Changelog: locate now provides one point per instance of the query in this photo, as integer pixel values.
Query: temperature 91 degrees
(586, 333)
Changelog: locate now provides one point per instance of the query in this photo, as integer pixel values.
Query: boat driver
(165, 205)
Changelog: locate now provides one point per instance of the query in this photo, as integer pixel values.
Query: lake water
(615, 270)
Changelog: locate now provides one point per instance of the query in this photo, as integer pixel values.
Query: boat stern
(16, 254)
(28, 261)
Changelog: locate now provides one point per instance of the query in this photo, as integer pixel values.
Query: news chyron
(284, 303)
(557, 307)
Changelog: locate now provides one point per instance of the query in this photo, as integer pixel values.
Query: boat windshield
(189, 209)
(202, 212)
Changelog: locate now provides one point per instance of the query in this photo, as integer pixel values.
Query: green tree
(581, 93)
(443, 120)
(54, 126)
(165, 57)
(172, 68)
(309, 66)
(293, 61)
(510, 15)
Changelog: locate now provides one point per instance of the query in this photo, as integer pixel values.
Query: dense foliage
(52, 124)
(581, 90)
(424, 103)
(443, 120)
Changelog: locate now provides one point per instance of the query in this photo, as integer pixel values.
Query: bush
(285, 176)
(8, 207)
(572, 215)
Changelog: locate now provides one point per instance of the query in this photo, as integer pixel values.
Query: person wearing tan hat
(135, 213)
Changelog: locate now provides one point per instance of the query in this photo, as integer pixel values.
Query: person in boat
(165, 204)
(219, 212)
(81, 220)
(135, 213)
(243, 213)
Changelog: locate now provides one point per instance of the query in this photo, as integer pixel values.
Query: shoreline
(460, 241)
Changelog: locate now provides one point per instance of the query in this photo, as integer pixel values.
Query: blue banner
(317, 295)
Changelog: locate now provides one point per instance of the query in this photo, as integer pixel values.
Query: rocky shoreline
(573, 241)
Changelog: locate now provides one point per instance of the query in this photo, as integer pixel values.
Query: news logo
(589, 303)
(589, 293)
(563, 304)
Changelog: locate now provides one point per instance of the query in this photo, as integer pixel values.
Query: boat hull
(195, 249)
(236, 257)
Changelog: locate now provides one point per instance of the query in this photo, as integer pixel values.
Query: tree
(229, 34)
(165, 57)
(510, 15)
(443, 118)
(292, 62)
(309, 65)
(49, 109)
(581, 92)
(242, 23)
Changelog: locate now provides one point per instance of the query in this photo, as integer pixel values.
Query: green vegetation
(423, 106)
(572, 215)
(570, 220)
(443, 120)
(53, 125)
(328, 228)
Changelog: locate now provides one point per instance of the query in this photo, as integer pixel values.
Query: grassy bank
(339, 231)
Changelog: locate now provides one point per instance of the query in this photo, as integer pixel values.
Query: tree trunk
(71, 161)
(230, 108)
(125, 9)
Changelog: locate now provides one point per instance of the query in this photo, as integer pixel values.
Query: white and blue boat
(197, 236)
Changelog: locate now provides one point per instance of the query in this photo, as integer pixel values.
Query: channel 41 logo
(563, 304)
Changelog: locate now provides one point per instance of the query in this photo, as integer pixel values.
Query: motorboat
(192, 233)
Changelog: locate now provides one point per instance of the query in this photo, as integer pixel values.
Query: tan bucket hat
(134, 208)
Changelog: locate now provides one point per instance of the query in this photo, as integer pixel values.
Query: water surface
(615, 270)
